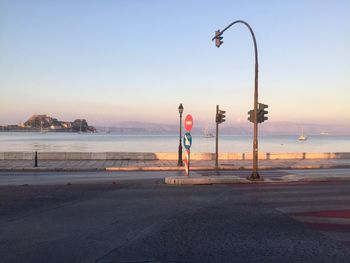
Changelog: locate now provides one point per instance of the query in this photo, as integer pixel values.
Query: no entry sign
(188, 122)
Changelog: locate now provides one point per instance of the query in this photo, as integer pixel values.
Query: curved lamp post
(179, 161)
(255, 175)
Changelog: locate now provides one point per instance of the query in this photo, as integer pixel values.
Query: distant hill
(48, 123)
(266, 128)
(139, 128)
(45, 123)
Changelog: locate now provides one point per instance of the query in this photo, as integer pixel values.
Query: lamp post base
(255, 177)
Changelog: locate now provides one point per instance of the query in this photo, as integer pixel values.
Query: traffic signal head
(262, 106)
(262, 112)
(218, 38)
(222, 115)
(251, 116)
(218, 118)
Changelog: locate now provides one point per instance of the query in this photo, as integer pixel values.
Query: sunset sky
(113, 61)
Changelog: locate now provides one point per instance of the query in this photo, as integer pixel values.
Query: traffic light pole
(255, 175)
(217, 139)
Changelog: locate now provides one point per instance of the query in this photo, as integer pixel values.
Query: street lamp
(218, 41)
(179, 161)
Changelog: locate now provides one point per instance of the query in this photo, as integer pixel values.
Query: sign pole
(187, 162)
(189, 154)
(188, 142)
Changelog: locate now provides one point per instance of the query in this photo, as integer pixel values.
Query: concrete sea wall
(166, 156)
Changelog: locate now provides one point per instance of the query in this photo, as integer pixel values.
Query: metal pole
(188, 165)
(179, 162)
(255, 175)
(36, 159)
(217, 138)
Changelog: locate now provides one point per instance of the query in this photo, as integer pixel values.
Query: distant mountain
(139, 128)
(289, 128)
(266, 128)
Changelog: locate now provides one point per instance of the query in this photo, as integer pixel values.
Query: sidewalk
(157, 165)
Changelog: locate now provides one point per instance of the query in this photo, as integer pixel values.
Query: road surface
(54, 178)
(144, 220)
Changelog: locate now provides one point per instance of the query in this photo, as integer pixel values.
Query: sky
(113, 61)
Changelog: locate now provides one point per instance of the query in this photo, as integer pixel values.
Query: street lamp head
(181, 109)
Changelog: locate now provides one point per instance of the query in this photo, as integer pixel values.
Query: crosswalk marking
(313, 208)
(310, 192)
(323, 220)
(324, 207)
(289, 199)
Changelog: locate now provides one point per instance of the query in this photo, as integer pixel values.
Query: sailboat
(207, 134)
(302, 137)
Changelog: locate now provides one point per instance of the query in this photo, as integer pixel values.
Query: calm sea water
(100, 142)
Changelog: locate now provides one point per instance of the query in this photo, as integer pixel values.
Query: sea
(109, 142)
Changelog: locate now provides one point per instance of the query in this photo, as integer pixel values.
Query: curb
(205, 181)
(49, 169)
(237, 180)
(169, 168)
(223, 168)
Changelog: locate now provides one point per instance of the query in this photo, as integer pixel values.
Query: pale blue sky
(111, 61)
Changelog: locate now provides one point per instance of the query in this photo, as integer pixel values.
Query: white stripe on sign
(187, 142)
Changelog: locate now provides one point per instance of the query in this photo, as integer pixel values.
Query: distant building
(66, 125)
(55, 127)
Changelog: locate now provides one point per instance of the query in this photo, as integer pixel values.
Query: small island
(44, 123)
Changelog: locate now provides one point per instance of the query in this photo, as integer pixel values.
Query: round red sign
(188, 122)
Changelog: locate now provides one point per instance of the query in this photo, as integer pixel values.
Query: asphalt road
(55, 178)
(145, 220)
(281, 172)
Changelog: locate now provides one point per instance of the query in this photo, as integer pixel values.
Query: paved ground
(147, 221)
(321, 206)
(170, 165)
(13, 178)
(8, 178)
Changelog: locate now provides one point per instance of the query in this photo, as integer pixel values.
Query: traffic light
(218, 39)
(220, 116)
(218, 119)
(262, 112)
(251, 116)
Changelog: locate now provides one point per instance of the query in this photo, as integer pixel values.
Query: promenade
(166, 165)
